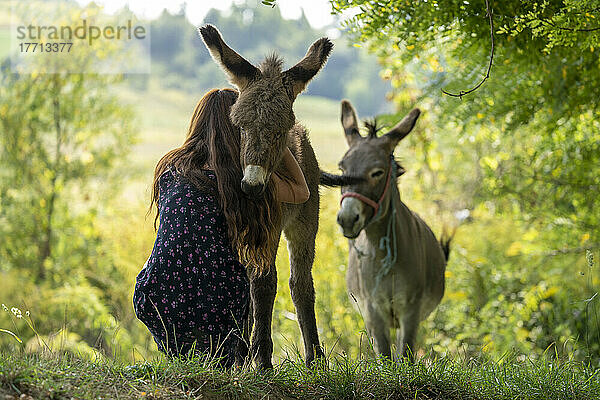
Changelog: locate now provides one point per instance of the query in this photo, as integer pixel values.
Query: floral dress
(192, 293)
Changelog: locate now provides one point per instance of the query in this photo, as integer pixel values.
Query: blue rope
(389, 242)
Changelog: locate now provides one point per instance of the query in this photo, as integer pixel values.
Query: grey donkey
(264, 113)
(396, 265)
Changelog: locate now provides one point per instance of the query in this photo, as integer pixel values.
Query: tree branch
(487, 75)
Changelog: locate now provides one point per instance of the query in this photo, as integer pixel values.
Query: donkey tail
(445, 241)
(333, 180)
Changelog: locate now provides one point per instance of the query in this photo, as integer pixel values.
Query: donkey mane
(373, 127)
(272, 65)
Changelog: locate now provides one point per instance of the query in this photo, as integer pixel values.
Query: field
(127, 234)
(164, 116)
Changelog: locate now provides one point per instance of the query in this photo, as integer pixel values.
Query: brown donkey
(396, 265)
(264, 113)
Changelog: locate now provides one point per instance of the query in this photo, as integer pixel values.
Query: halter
(368, 201)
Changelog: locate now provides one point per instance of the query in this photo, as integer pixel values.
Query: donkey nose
(347, 221)
(253, 191)
(349, 217)
(254, 180)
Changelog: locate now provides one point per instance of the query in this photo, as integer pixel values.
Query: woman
(193, 292)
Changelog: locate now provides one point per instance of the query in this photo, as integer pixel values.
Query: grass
(66, 376)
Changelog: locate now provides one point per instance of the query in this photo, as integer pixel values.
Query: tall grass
(66, 376)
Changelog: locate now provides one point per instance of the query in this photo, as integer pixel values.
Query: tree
(256, 30)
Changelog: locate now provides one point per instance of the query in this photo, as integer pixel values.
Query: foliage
(60, 376)
(62, 136)
(543, 88)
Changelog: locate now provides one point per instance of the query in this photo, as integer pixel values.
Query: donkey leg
(378, 329)
(301, 247)
(262, 291)
(407, 334)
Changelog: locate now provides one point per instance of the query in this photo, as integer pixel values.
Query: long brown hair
(253, 225)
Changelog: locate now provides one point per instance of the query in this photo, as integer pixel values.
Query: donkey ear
(300, 74)
(402, 128)
(239, 71)
(350, 123)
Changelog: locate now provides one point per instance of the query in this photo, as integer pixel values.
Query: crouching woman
(193, 292)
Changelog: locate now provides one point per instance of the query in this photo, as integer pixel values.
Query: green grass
(65, 377)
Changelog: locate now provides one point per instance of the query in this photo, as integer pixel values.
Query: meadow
(522, 308)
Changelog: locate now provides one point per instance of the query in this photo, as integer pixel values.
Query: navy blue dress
(192, 293)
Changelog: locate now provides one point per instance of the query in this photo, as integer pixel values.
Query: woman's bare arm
(290, 185)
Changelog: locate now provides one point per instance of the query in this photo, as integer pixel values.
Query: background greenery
(515, 164)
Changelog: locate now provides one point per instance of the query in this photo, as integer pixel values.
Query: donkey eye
(377, 173)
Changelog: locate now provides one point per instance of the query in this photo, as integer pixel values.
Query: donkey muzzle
(254, 180)
(351, 217)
